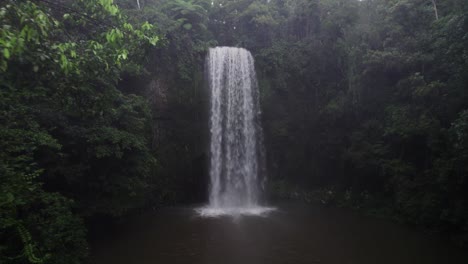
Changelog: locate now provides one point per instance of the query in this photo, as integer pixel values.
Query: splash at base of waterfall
(234, 211)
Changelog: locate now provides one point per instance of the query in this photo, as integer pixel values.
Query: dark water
(294, 234)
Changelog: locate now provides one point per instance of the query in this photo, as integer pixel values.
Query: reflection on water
(292, 234)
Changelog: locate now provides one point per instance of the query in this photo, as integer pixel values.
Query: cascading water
(236, 145)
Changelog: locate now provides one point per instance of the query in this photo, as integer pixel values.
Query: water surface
(293, 234)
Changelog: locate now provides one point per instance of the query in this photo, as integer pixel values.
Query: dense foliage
(364, 103)
(71, 144)
(368, 99)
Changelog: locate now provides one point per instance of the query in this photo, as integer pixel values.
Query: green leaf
(6, 53)
(188, 26)
(154, 40)
(146, 26)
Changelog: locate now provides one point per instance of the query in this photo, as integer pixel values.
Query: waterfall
(236, 136)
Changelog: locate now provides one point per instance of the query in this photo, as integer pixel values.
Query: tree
(60, 106)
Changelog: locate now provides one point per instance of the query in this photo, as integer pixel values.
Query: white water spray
(236, 145)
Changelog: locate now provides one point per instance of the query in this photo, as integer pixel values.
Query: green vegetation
(365, 104)
(367, 99)
(72, 145)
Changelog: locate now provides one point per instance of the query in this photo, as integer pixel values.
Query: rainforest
(233, 131)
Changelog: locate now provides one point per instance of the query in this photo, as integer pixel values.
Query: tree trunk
(434, 4)
(138, 3)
